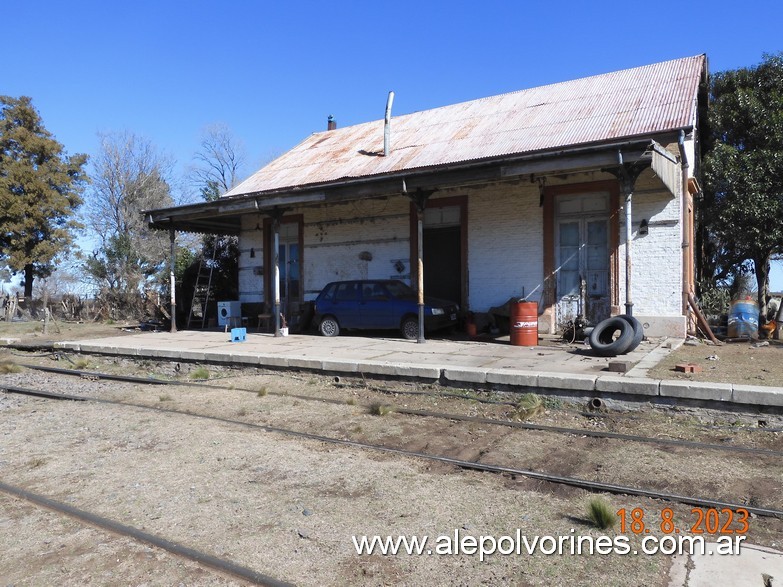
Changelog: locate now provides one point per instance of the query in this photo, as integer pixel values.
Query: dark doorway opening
(443, 262)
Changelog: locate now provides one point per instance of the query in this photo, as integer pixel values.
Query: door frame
(550, 278)
(268, 244)
(462, 203)
(582, 221)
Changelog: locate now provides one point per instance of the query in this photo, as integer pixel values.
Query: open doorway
(444, 249)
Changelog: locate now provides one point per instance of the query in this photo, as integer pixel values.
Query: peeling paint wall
(356, 240)
(251, 276)
(505, 246)
(371, 240)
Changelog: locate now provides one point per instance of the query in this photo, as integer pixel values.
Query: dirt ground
(287, 507)
(747, 363)
(32, 332)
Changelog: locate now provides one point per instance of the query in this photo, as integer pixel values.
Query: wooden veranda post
(419, 198)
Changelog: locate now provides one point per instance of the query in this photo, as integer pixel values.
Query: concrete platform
(747, 569)
(553, 368)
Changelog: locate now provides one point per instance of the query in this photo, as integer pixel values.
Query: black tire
(602, 339)
(410, 328)
(638, 331)
(329, 326)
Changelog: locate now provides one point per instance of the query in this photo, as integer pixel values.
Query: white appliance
(229, 313)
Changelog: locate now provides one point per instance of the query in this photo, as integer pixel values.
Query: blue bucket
(743, 319)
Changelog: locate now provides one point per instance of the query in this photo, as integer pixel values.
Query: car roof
(364, 281)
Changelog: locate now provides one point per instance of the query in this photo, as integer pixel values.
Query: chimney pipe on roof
(330, 123)
(387, 125)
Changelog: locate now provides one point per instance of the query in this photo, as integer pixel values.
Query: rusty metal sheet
(630, 103)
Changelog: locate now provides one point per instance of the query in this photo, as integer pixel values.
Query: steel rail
(471, 465)
(595, 433)
(222, 565)
(456, 417)
(134, 379)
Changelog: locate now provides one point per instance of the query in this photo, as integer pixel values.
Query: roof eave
(225, 213)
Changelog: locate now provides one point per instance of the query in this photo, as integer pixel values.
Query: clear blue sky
(273, 71)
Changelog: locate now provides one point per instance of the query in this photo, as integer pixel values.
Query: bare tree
(130, 175)
(219, 162)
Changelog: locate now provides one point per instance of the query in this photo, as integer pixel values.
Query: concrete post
(172, 279)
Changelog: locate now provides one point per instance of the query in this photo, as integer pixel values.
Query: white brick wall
(656, 278)
(505, 245)
(335, 236)
(251, 286)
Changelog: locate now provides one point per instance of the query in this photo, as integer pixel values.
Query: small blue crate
(238, 334)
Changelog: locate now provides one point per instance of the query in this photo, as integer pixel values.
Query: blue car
(379, 305)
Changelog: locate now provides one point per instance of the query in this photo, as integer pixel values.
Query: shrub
(200, 373)
(600, 513)
(381, 410)
(528, 406)
(9, 367)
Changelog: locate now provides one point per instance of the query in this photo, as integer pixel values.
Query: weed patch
(381, 409)
(528, 406)
(9, 367)
(600, 513)
(202, 373)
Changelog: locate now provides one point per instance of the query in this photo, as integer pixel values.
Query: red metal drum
(524, 323)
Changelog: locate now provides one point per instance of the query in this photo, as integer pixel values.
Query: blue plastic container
(238, 334)
(743, 318)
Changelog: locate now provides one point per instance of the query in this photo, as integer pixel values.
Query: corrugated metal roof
(630, 103)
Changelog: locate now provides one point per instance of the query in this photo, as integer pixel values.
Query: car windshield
(399, 290)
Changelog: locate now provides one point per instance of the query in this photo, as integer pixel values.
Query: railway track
(434, 414)
(460, 463)
(222, 565)
(229, 410)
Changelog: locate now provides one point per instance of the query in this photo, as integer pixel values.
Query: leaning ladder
(201, 292)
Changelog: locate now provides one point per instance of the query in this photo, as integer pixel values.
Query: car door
(345, 305)
(376, 307)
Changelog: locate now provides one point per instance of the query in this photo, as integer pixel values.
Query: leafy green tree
(40, 189)
(742, 210)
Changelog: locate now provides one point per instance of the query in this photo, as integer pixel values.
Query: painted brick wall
(505, 245)
(505, 255)
(335, 236)
(251, 279)
(333, 239)
(656, 257)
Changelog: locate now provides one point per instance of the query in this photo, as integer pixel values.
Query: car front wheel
(410, 328)
(329, 326)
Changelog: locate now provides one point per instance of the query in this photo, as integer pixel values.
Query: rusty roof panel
(644, 100)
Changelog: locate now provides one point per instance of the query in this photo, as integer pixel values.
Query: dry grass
(381, 409)
(80, 363)
(200, 374)
(36, 462)
(9, 367)
(32, 331)
(528, 406)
